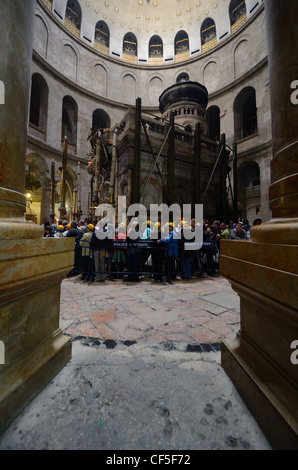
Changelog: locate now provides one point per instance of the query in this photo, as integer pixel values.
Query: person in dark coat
(134, 253)
(185, 255)
(74, 231)
(171, 251)
(157, 253)
(100, 244)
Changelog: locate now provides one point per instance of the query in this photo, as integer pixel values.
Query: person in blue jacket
(171, 251)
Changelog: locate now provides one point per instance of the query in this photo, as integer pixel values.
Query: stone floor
(145, 374)
(200, 310)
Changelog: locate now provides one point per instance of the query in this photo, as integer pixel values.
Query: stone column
(137, 157)
(283, 71)
(34, 347)
(171, 162)
(261, 360)
(53, 189)
(113, 169)
(79, 203)
(45, 198)
(97, 176)
(15, 73)
(62, 209)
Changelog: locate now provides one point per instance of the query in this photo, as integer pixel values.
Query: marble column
(32, 267)
(15, 72)
(264, 271)
(45, 198)
(53, 191)
(97, 177)
(62, 209)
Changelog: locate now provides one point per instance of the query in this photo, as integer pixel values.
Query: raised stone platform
(33, 344)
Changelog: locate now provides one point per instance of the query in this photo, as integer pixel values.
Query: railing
(133, 261)
(72, 27)
(37, 131)
(104, 49)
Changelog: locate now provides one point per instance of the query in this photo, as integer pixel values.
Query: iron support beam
(235, 184)
(137, 159)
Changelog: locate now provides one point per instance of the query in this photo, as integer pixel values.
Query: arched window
(130, 44)
(70, 62)
(100, 121)
(69, 121)
(181, 42)
(129, 93)
(100, 81)
(39, 102)
(249, 190)
(237, 10)
(102, 33)
(155, 90)
(182, 77)
(251, 175)
(245, 113)
(208, 30)
(155, 47)
(41, 36)
(213, 115)
(73, 13)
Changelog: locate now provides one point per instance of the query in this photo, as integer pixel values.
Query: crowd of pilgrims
(130, 251)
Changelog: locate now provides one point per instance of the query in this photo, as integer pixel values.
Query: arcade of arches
(83, 82)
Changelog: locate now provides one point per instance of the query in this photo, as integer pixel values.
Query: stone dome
(153, 32)
(183, 93)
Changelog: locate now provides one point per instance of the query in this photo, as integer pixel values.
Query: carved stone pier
(32, 268)
(264, 271)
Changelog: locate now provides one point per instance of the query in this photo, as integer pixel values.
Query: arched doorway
(38, 114)
(37, 187)
(249, 191)
(213, 116)
(100, 120)
(70, 193)
(69, 122)
(245, 113)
